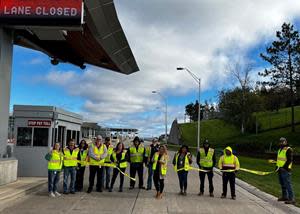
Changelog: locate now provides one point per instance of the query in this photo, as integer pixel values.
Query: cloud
(202, 35)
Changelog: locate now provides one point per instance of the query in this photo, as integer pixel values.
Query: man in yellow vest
(229, 164)
(284, 166)
(206, 160)
(136, 155)
(97, 154)
(70, 163)
(107, 169)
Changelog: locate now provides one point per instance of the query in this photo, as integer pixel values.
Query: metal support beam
(6, 53)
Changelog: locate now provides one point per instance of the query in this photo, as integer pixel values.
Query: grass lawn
(268, 183)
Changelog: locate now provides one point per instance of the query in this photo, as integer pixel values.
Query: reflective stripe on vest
(123, 163)
(110, 150)
(229, 161)
(163, 167)
(206, 161)
(186, 162)
(83, 158)
(56, 160)
(137, 156)
(70, 160)
(281, 157)
(97, 152)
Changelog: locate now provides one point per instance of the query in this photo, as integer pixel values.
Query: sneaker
(110, 190)
(99, 190)
(223, 196)
(181, 192)
(142, 188)
(65, 193)
(57, 194)
(211, 195)
(89, 190)
(52, 195)
(72, 192)
(200, 193)
(282, 199)
(233, 197)
(184, 193)
(290, 202)
(148, 188)
(120, 190)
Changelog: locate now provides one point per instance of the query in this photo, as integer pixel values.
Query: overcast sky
(203, 35)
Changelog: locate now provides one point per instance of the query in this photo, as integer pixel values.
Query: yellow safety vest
(70, 160)
(56, 161)
(164, 166)
(97, 152)
(148, 151)
(228, 162)
(110, 150)
(123, 163)
(281, 157)
(137, 156)
(206, 161)
(83, 157)
(186, 162)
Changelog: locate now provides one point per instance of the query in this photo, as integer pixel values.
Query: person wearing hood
(136, 153)
(284, 167)
(150, 151)
(230, 164)
(206, 160)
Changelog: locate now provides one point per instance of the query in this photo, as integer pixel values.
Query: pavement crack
(137, 196)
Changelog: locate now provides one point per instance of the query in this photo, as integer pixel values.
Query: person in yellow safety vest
(159, 166)
(107, 169)
(120, 158)
(229, 162)
(206, 160)
(284, 167)
(181, 161)
(96, 156)
(136, 153)
(82, 162)
(150, 151)
(70, 163)
(55, 161)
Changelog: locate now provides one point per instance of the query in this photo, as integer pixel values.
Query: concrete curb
(265, 196)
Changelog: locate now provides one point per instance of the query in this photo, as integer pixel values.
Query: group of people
(103, 157)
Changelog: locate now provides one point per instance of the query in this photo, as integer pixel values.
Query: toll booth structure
(36, 129)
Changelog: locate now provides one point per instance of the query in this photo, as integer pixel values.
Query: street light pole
(198, 80)
(166, 113)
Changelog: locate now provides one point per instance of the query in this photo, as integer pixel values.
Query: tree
(284, 56)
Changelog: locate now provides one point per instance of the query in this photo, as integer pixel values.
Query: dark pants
(229, 177)
(150, 175)
(114, 177)
(210, 176)
(69, 171)
(79, 178)
(158, 183)
(182, 176)
(53, 179)
(286, 186)
(106, 176)
(139, 168)
(93, 171)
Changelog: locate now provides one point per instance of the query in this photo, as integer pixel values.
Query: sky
(202, 35)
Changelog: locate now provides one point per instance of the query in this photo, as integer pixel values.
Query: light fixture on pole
(198, 80)
(166, 113)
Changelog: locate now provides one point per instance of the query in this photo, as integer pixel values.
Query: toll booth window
(40, 137)
(24, 136)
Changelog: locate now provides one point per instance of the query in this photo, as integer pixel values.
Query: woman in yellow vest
(160, 161)
(120, 158)
(82, 162)
(107, 169)
(181, 162)
(55, 159)
(229, 163)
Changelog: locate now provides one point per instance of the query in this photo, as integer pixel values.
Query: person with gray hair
(96, 157)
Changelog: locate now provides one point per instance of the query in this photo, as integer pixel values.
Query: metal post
(166, 122)
(199, 118)
(6, 53)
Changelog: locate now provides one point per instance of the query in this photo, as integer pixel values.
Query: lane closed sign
(41, 12)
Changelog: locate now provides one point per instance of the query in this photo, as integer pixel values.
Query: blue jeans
(286, 186)
(53, 179)
(69, 171)
(182, 176)
(106, 176)
(150, 175)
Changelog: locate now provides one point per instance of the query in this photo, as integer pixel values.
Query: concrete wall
(8, 171)
(31, 161)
